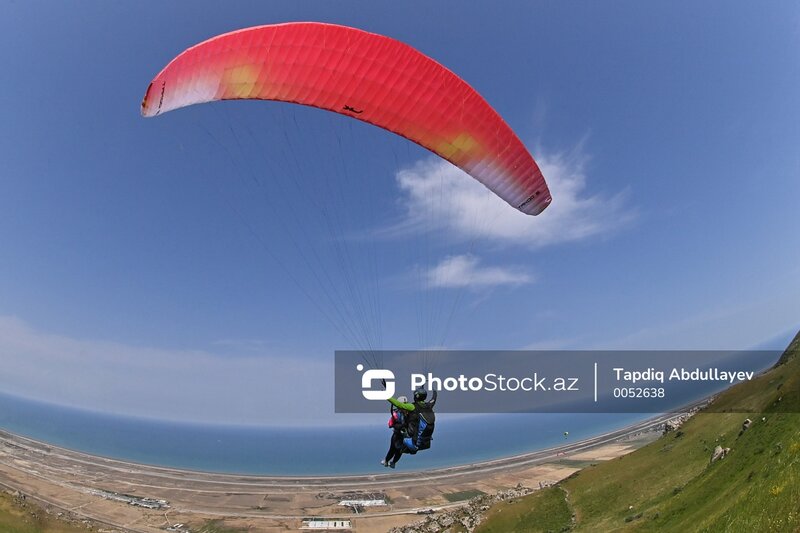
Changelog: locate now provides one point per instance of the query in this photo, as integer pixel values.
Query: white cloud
(439, 196)
(190, 385)
(465, 271)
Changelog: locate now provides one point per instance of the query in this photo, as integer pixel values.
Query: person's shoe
(391, 465)
(384, 463)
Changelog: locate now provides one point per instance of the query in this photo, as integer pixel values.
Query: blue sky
(144, 270)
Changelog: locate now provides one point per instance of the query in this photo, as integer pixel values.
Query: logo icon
(380, 375)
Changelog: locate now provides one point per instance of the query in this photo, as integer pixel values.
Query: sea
(311, 451)
(314, 450)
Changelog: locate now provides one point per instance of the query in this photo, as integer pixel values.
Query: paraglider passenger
(397, 421)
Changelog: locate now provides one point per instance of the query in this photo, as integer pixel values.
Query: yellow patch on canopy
(463, 143)
(240, 81)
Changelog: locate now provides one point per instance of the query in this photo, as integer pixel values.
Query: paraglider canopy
(363, 75)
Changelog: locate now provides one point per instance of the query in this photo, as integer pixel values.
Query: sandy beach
(84, 486)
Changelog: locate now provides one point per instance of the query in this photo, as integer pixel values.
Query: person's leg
(396, 456)
(397, 448)
(390, 453)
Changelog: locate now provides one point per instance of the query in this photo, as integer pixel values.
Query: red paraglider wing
(363, 75)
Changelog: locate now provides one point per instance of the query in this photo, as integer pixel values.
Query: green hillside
(671, 484)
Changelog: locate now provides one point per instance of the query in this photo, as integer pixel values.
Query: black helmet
(420, 394)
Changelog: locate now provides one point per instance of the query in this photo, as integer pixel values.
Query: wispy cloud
(192, 385)
(466, 271)
(551, 344)
(438, 196)
(735, 327)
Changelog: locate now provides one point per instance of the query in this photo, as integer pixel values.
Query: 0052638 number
(639, 392)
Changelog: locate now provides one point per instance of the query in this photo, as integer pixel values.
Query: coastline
(291, 451)
(8, 438)
(74, 481)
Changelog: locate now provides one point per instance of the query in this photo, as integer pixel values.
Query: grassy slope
(670, 484)
(28, 518)
(545, 510)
